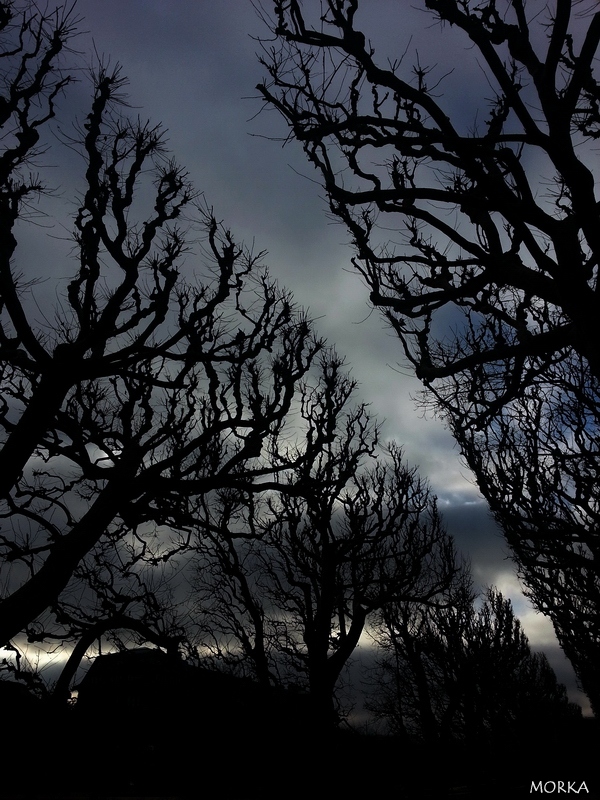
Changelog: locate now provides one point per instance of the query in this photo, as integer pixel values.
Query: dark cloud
(193, 66)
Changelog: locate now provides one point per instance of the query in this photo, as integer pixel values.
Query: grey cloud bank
(192, 66)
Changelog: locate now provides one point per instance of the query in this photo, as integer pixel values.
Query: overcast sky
(192, 65)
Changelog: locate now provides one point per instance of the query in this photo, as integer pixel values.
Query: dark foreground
(233, 742)
(76, 758)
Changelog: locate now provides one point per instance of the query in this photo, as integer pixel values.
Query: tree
(491, 282)
(286, 583)
(138, 389)
(453, 671)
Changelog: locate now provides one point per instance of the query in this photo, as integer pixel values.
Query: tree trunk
(38, 417)
(43, 589)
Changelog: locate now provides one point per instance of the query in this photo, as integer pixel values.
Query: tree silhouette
(144, 383)
(491, 281)
(286, 583)
(452, 671)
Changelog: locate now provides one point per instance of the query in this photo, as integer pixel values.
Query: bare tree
(141, 387)
(491, 281)
(287, 582)
(452, 671)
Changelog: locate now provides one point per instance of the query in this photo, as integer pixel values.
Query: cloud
(193, 66)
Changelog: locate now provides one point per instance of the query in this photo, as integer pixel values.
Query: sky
(192, 65)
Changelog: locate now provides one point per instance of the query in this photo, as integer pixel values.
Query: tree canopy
(463, 670)
(490, 278)
(144, 382)
(288, 583)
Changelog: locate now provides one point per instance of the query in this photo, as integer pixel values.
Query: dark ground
(233, 742)
(79, 764)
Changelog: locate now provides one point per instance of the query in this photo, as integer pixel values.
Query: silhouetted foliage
(456, 671)
(148, 724)
(131, 385)
(491, 280)
(287, 582)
